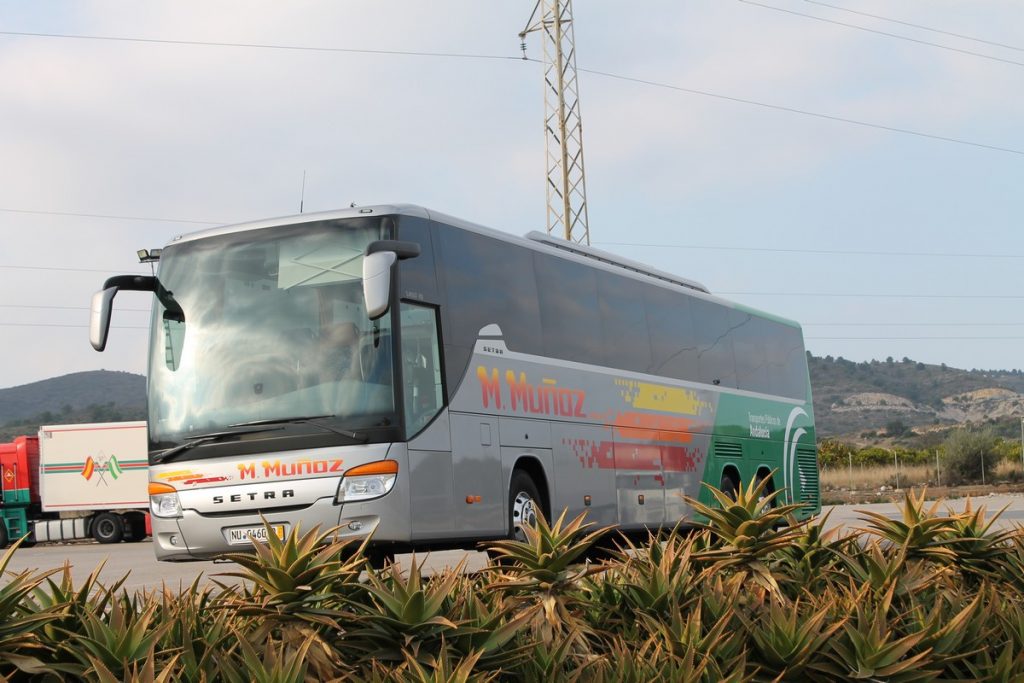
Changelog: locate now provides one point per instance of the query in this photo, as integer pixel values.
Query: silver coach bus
(394, 371)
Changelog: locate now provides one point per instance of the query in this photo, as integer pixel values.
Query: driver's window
(421, 366)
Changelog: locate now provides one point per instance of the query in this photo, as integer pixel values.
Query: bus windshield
(268, 324)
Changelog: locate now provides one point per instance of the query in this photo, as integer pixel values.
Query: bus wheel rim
(523, 512)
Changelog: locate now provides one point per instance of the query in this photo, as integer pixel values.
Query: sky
(742, 163)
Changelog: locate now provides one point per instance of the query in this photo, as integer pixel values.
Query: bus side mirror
(102, 303)
(377, 282)
(380, 256)
(99, 319)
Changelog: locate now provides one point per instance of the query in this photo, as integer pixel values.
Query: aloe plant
(541, 574)
(790, 644)
(869, 649)
(274, 662)
(978, 549)
(20, 621)
(657, 579)
(200, 627)
(717, 647)
(650, 660)
(749, 527)
(122, 637)
(303, 576)
(404, 615)
(953, 627)
(881, 569)
(922, 533)
(813, 559)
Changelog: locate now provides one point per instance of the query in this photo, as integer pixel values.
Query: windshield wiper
(310, 420)
(173, 453)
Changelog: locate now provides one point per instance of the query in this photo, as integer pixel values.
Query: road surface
(137, 561)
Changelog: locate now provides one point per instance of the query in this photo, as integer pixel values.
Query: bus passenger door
(431, 498)
(478, 491)
(640, 479)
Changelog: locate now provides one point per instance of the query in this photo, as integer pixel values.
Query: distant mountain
(72, 395)
(852, 398)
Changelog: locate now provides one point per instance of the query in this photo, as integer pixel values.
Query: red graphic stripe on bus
(633, 456)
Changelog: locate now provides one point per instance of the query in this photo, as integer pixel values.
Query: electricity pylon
(563, 129)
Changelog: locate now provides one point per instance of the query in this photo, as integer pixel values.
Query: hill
(852, 398)
(97, 396)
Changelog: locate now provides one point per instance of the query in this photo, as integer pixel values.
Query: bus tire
(379, 558)
(730, 485)
(769, 488)
(108, 528)
(523, 504)
(4, 536)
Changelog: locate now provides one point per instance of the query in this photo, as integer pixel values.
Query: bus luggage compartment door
(477, 484)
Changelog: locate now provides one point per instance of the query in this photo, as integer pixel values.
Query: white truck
(76, 481)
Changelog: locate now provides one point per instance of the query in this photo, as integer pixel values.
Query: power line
(606, 74)
(120, 327)
(803, 112)
(912, 324)
(69, 308)
(840, 252)
(100, 215)
(882, 33)
(879, 295)
(912, 338)
(912, 25)
(266, 46)
(73, 270)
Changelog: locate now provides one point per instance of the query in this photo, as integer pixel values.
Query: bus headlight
(163, 501)
(368, 481)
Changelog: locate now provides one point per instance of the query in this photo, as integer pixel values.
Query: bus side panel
(684, 463)
(780, 436)
(584, 466)
(639, 479)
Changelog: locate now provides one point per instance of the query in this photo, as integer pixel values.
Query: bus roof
(534, 240)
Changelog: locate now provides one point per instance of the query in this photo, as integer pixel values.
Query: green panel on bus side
(752, 434)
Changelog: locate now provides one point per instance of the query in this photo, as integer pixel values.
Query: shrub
(965, 452)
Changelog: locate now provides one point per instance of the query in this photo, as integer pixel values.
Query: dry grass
(873, 478)
(1008, 470)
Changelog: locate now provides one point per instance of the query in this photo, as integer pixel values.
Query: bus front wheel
(523, 505)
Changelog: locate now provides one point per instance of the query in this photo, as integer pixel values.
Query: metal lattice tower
(563, 129)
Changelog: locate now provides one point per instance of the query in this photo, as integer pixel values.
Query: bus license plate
(244, 535)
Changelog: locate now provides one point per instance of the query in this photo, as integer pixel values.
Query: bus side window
(421, 366)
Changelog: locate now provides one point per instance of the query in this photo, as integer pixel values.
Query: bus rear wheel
(730, 485)
(769, 488)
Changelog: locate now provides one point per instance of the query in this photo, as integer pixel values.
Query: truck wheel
(108, 528)
(4, 537)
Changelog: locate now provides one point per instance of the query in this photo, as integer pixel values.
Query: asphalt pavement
(136, 560)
